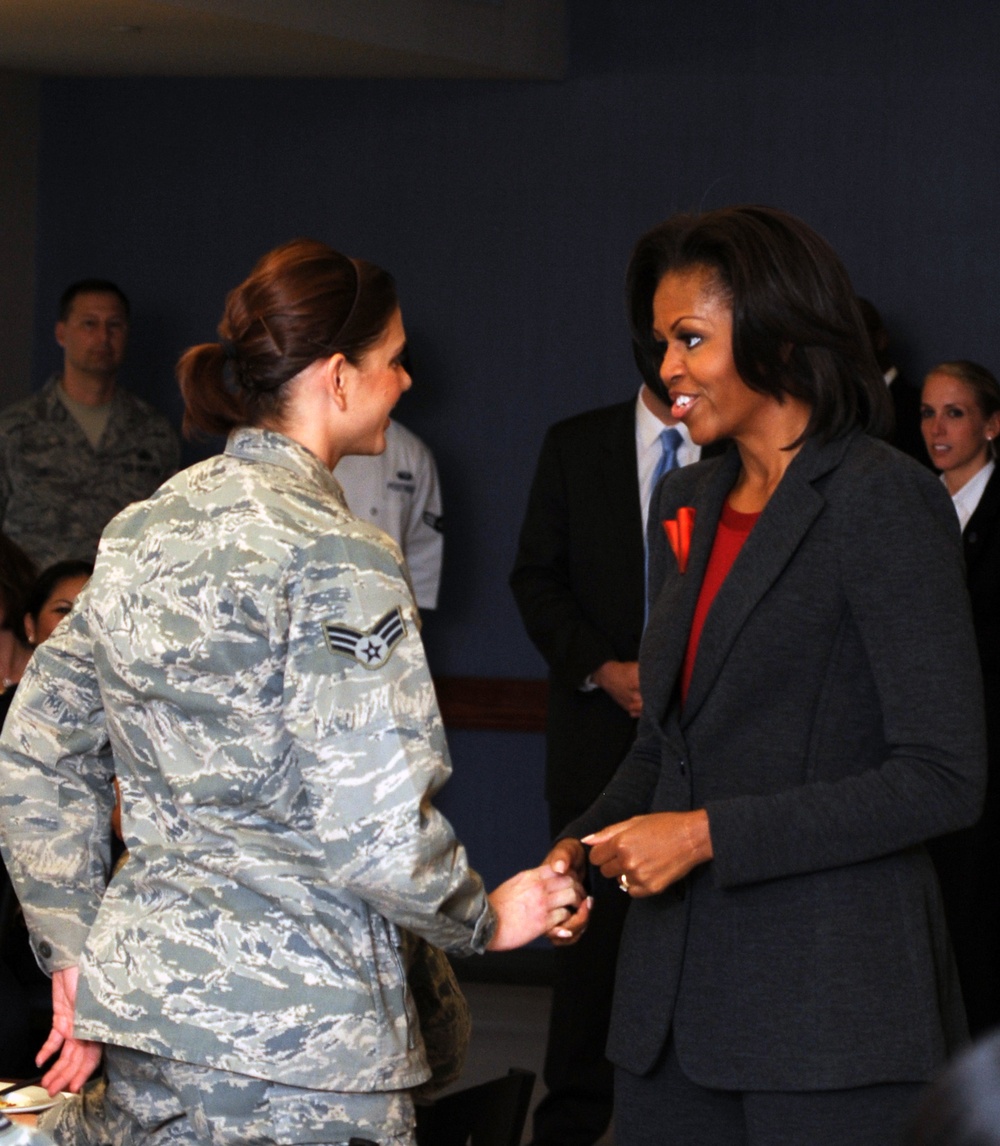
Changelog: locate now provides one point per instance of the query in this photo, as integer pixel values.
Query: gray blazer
(833, 724)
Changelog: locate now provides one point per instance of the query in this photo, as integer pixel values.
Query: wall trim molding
(495, 704)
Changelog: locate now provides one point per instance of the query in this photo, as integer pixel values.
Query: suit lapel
(665, 640)
(786, 519)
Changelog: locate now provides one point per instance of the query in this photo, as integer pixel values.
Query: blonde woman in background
(960, 418)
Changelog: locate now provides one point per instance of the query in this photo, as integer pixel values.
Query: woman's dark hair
(984, 386)
(302, 301)
(46, 581)
(17, 573)
(796, 325)
(962, 1107)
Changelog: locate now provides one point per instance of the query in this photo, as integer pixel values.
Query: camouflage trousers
(143, 1100)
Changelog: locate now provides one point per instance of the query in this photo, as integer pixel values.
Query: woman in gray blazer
(811, 716)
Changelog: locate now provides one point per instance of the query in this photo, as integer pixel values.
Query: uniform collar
(253, 444)
(54, 409)
(54, 393)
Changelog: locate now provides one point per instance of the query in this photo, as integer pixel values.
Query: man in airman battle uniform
(82, 448)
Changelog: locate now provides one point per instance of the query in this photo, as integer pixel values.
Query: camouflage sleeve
(360, 705)
(56, 801)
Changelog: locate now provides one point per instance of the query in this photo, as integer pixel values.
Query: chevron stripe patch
(371, 649)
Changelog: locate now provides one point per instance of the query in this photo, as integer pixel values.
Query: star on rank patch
(371, 649)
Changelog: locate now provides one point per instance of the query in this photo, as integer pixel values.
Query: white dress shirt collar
(968, 497)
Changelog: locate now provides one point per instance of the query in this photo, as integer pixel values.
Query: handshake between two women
(544, 900)
(644, 854)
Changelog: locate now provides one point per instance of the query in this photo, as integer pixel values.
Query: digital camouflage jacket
(250, 652)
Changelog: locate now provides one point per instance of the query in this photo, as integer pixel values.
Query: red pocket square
(679, 535)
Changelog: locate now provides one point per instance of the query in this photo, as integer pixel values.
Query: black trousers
(665, 1108)
(576, 1109)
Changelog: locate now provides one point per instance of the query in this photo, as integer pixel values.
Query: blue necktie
(670, 443)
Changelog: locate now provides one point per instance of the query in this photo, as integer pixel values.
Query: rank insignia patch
(372, 649)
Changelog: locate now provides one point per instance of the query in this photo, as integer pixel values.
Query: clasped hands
(620, 680)
(534, 903)
(651, 852)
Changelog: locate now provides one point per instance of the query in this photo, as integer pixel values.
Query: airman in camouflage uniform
(80, 450)
(250, 652)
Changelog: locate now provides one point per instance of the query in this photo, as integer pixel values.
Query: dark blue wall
(507, 212)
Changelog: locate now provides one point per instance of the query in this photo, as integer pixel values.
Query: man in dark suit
(579, 582)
